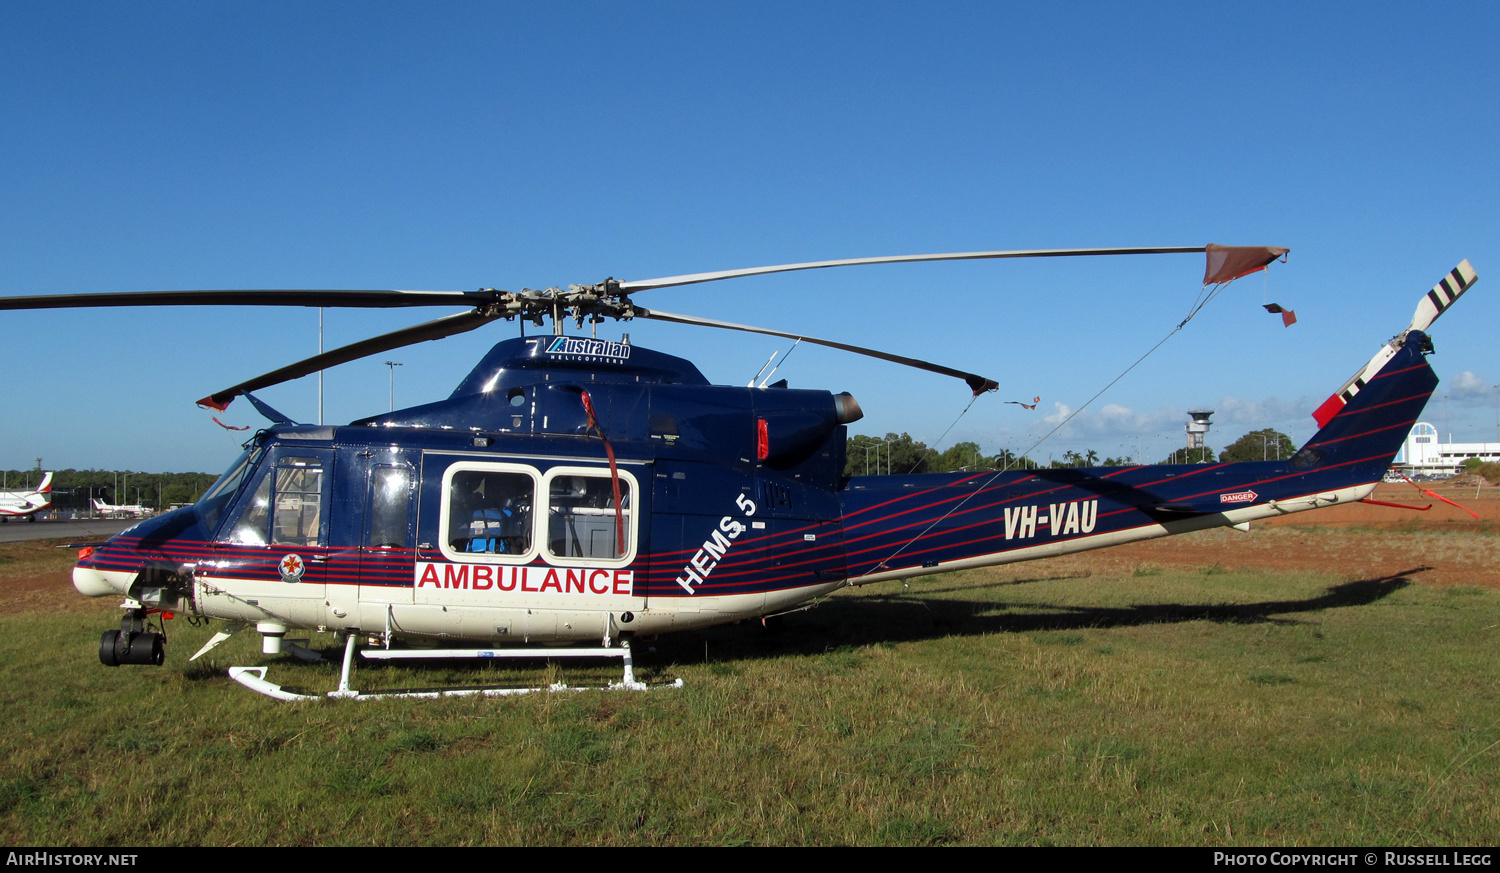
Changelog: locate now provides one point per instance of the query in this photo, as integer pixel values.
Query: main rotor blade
(695, 278)
(977, 384)
(432, 330)
(250, 297)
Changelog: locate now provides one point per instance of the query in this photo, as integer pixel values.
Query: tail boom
(897, 527)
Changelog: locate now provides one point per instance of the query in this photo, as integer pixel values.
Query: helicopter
(573, 495)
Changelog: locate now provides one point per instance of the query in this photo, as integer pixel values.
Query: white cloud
(1267, 412)
(1470, 389)
(1116, 429)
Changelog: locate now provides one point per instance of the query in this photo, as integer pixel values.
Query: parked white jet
(110, 510)
(26, 504)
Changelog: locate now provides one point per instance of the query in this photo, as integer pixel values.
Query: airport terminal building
(1423, 454)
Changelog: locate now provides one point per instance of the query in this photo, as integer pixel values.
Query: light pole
(393, 365)
(320, 372)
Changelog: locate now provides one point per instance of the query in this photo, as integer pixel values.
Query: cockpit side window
(250, 528)
(285, 508)
(212, 504)
(299, 504)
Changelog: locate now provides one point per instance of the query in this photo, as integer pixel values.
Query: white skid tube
(254, 678)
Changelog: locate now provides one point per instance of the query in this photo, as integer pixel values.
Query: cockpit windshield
(212, 504)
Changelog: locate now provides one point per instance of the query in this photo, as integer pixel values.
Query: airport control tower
(1197, 435)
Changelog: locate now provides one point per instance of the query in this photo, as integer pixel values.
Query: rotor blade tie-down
(1442, 498)
(614, 472)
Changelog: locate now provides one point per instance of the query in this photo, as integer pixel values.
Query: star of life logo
(292, 567)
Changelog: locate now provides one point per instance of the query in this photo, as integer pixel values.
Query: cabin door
(386, 541)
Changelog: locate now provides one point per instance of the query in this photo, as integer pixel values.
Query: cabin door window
(487, 512)
(585, 523)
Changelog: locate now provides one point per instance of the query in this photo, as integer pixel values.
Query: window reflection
(581, 518)
(390, 501)
(490, 512)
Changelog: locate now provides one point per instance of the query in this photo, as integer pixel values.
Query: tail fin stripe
(1388, 374)
(1414, 397)
(903, 497)
(1343, 408)
(1401, 425)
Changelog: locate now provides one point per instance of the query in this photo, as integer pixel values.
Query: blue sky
(464, 145)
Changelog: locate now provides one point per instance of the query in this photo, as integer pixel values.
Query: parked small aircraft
(26, 504)
(110, 510)
(573, 489)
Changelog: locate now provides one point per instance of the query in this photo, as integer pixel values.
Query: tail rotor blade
(1442, 296)
(1435, 303)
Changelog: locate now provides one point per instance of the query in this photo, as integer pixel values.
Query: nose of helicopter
(94, 583)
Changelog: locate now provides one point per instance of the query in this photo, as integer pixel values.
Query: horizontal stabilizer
(1183, 509)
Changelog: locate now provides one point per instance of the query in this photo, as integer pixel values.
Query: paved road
(81, 531)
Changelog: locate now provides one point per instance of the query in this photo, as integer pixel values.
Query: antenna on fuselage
(762, 369)
(778, 366)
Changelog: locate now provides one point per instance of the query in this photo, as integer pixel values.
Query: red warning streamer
(614, 473)
(1397, 505)
(1442, 498)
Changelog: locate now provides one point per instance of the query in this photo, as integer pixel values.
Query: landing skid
(254, 678)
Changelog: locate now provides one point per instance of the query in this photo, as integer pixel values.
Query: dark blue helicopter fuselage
(575, 489)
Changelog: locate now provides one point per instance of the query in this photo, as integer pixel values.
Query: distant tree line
(1259, 445)
(73, 489)
(899, 454)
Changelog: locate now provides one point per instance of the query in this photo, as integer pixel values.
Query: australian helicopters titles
(573, 490)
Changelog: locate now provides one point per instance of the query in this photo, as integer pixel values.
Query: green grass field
(1024, 705)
